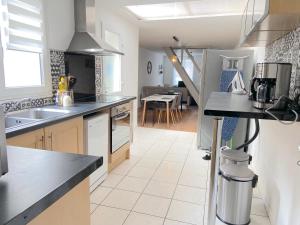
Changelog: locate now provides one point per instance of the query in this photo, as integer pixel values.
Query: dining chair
(151, 106)
(163, 109)
(178, 104)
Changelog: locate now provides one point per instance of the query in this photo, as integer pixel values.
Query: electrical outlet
(299, 148)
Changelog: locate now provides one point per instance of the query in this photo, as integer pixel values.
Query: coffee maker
(270, 82)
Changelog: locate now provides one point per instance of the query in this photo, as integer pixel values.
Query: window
(187, 9)
(22, 75)
(112, 65)
(23, 49)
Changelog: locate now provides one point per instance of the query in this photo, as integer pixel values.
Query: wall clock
(149, 67)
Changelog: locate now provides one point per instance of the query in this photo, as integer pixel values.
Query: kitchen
(142, 175)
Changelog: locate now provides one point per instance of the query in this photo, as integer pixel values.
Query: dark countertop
(79, 109)
(36, 179)
(222, 104)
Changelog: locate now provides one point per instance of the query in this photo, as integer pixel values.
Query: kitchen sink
(14, 121)
(39, 113)
(32, 115)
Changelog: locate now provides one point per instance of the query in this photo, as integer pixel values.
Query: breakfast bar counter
(218, 106)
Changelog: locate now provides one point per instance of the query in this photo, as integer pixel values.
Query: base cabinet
(34, 139)
(118, 157)
(65, 137)
(72, 209)
(62, 137)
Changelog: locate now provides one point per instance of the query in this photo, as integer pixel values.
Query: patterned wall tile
(26, 104)
(286, 49)
(57, 65)
(99, 75)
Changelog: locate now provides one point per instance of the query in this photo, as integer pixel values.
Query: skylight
(187, 9)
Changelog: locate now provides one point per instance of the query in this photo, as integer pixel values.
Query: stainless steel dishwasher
(120, 126)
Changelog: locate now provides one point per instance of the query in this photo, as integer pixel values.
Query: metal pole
(212, 207)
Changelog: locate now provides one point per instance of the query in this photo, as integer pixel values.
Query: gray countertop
(79, 109)
(37, 178)
(222, 104)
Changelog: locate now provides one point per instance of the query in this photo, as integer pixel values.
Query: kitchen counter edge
(86, 109)
(39, 201)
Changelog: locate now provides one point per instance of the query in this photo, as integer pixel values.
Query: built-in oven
(120, 126)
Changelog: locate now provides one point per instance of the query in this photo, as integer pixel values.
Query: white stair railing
(182, 72)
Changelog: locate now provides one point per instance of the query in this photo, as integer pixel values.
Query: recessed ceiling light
(185, 10)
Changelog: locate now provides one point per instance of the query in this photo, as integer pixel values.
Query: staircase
(178, 65)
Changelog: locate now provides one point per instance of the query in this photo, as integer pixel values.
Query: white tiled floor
(164, 183)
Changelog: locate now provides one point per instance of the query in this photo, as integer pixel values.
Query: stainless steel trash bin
(238, 157)
(235, 189)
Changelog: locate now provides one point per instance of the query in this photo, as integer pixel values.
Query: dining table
(158, 98)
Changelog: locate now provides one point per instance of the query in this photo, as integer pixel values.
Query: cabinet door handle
(50, 139)
(43, 142)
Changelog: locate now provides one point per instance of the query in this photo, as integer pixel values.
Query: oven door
(120, 127)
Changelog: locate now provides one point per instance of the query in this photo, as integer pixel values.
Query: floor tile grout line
(176, 185)
(129, 212)
(141, 193)
(113, 188)
(102, 199)
(207, 188)
(119, 183)
(207, 191)
(253, 214)
(141, 157)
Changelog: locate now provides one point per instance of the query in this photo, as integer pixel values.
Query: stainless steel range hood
(84, 41)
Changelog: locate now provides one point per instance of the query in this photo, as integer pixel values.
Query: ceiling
(218, 28)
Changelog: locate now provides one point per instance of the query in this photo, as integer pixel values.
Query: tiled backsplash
(99, 74)
(286, 49)
(57, 65)
(30, 103)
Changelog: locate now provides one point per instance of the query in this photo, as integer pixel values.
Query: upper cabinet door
(66, 136)
(249, 16)
(260, 10)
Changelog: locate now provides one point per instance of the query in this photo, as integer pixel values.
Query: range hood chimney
(84, 41)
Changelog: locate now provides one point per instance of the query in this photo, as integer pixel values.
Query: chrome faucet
(15, 104)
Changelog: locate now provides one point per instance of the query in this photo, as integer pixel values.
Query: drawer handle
(50, 138)
(43, 142)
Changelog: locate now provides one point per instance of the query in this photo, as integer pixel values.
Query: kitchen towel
(229, 123)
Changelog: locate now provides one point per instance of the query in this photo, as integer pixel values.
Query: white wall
(60, 23)
(169, 79)
(129, 34)
(170, 76)
(275, 161)
(275, 155)
(155, 78)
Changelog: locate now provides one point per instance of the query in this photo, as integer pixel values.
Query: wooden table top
(159, 98)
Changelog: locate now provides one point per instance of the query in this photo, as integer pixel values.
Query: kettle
(262, 93)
